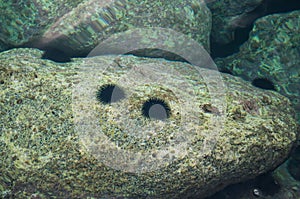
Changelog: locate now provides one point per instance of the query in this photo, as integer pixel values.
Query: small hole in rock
(19, 101)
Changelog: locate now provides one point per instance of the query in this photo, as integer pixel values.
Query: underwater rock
(25, 21)
(87, 129)
(229, 15)
(271, 56)
(83, 26)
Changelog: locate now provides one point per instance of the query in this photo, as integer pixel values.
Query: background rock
(271, 56)
(75, 29)
(43, 154)
(229, 15)
(233, 19)
(25, 21)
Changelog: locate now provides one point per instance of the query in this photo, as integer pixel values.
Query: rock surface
(49, 113)
(78, 28)
(272, 53)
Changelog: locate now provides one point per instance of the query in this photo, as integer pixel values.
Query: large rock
(77, 28)
(272, 55)
(61, 123)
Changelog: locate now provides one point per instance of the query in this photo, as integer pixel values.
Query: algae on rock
(271, 53)
(77, 28)
(48, 150)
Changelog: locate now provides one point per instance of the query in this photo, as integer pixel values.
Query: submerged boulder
(25, 21)
(129, 127)
(76, 28)
(271, 56)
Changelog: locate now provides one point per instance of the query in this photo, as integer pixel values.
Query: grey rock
(58, 138)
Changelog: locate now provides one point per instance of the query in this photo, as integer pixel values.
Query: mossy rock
(49, 113)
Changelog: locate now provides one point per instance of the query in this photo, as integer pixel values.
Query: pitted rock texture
(271, 53)
(48, 151)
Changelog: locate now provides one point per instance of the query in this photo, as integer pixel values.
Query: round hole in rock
(110, 93)
(157, 109)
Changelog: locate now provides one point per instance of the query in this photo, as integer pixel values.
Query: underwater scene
(141, 99)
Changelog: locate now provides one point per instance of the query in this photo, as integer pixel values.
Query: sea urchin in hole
(110, 93)
(155, 108)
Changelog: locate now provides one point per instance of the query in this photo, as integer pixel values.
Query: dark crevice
(263, 83)
(241, 35)
(293, 164)
(56, 55)
(281, 6)
(261, 187)
(225, 70)
(224, 50)
(157, 53)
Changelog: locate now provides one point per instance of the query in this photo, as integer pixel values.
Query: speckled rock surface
(79, 30)
(228, 15)
(48, 151)
(273, 53)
